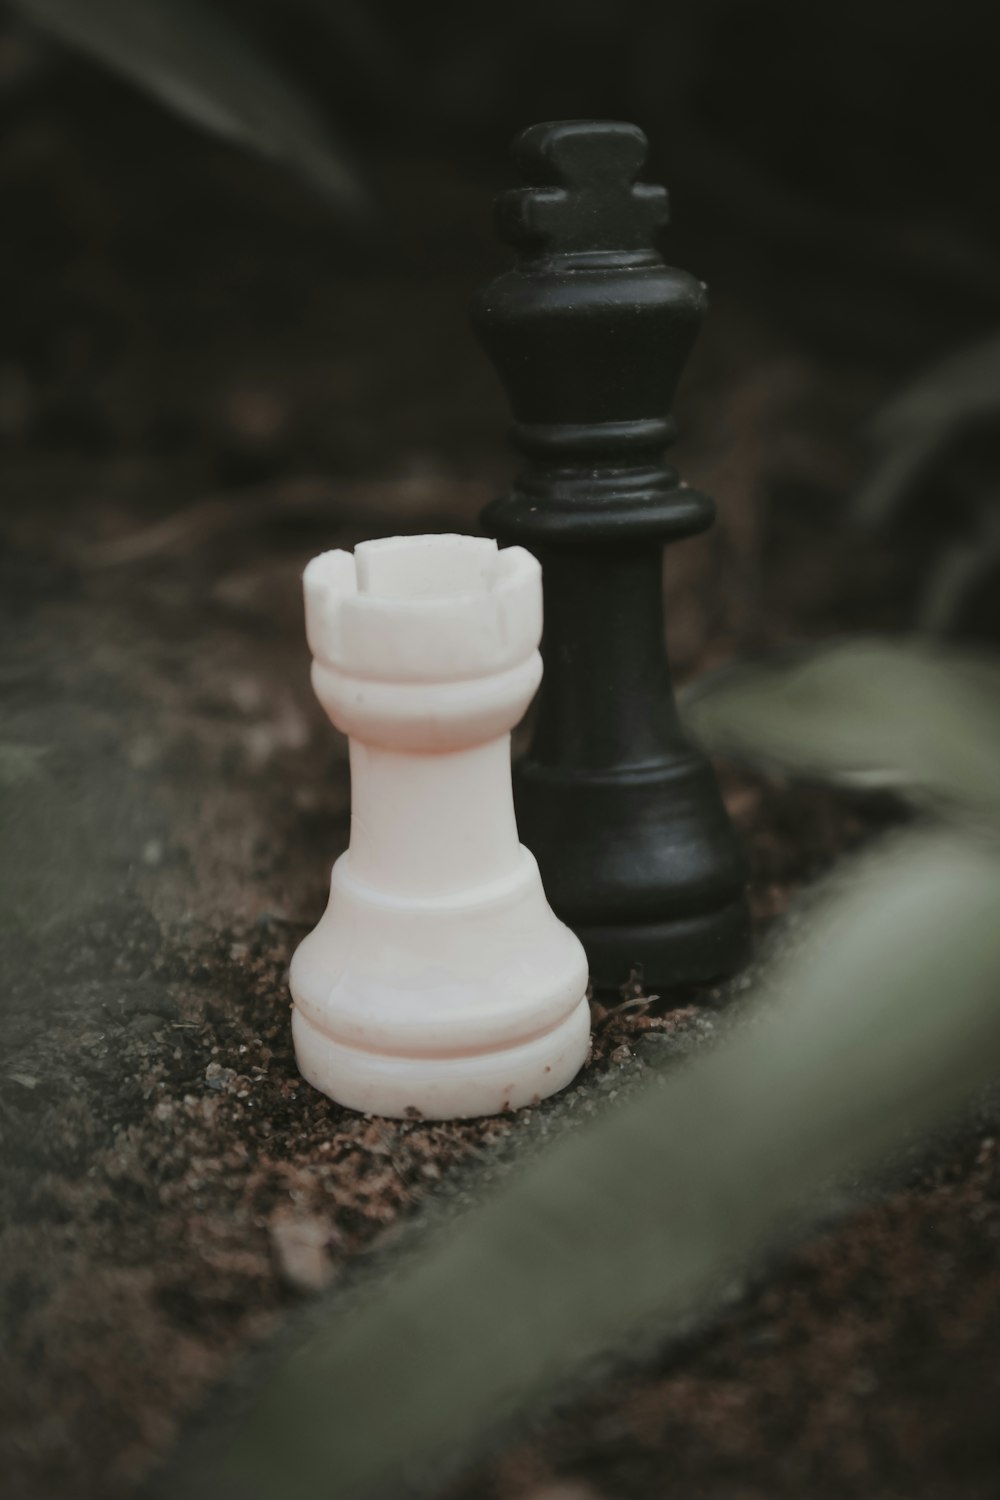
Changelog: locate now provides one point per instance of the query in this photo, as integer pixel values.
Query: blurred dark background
(189, 314)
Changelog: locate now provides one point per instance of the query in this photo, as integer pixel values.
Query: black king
(589, 332)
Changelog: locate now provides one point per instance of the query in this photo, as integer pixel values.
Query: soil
(205, 383)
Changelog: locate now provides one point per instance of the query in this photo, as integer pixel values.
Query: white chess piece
(438, 980)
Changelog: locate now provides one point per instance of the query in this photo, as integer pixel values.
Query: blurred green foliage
(941, 436)
(917, 717)
(878, 1016)
(204, 66)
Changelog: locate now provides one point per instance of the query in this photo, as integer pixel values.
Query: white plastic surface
(438, 981)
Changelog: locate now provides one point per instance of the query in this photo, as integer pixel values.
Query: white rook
(438, 981)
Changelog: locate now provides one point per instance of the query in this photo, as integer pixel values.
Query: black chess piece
(589, 332)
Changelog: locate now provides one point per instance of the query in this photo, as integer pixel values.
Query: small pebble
(300, 1246)
(219, 1078)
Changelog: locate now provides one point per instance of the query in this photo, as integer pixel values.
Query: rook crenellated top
(423, 608)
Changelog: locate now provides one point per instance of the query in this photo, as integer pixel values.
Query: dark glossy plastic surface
(589, 332)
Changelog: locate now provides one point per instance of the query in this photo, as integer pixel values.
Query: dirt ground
(202, 385)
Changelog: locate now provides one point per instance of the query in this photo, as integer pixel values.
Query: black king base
(589, 332)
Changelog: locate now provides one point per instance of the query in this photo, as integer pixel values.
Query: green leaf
(954, 397)
(197, 65)
(919, 718)
(19, 763)
(881, 1021)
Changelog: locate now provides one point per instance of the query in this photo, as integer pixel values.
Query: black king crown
(589, 332)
